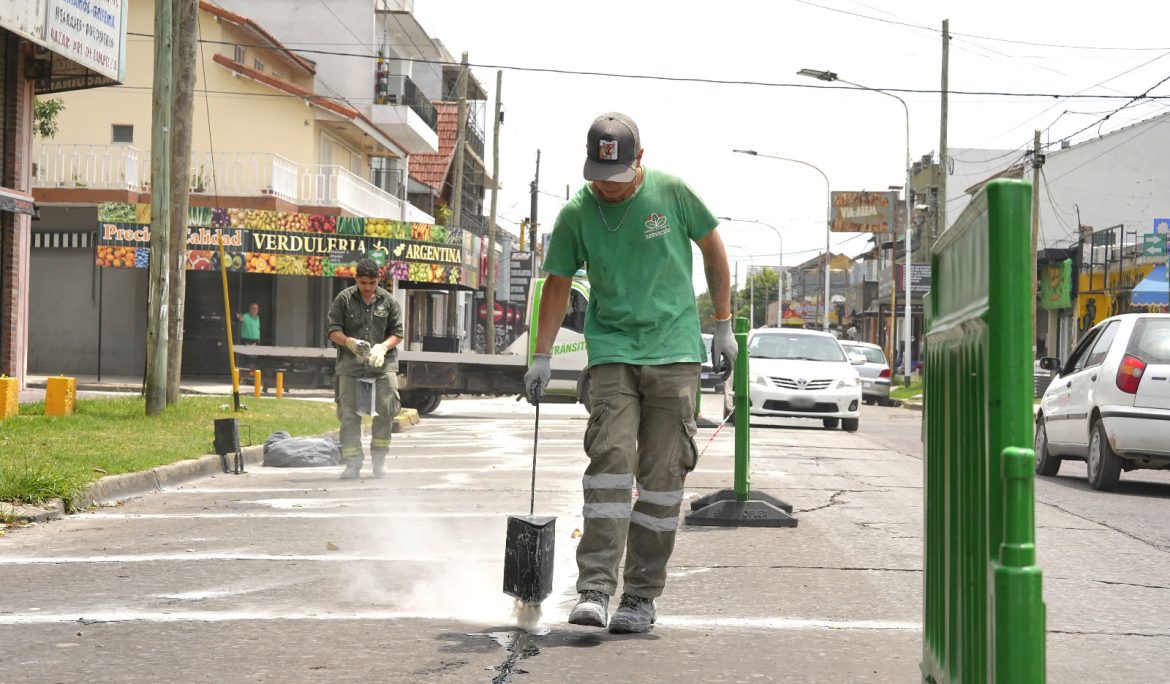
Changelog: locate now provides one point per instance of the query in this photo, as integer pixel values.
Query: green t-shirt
(642, 302)
(249, 327)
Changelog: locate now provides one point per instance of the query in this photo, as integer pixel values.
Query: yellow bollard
(279, 385)
(60, 396)
(9, 397)
(256, 382)
(236, 377)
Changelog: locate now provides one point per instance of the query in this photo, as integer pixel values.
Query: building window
(259, 66)
(241, 54)
(123, 133)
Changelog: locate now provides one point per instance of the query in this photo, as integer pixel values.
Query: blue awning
(1153, 290)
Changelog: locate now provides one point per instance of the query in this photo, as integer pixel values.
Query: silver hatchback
(875, 372)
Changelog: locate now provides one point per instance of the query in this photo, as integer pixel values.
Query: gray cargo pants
(641, 428)
(387, 406)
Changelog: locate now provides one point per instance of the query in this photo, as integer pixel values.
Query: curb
(114, 488)
(35, 514)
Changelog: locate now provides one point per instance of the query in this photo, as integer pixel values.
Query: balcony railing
(244, 173)
(106, 167)
(123, 167)
(401, 90)
(334, 186)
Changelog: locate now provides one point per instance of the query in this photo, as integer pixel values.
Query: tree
(45, 116)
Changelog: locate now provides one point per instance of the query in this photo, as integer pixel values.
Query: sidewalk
(116, 487)
(89, 386)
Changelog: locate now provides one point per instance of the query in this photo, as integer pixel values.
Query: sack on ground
(282, 450)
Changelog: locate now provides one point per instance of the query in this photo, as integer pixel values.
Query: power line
(1134, 100)
(979, 37)
(709, 81)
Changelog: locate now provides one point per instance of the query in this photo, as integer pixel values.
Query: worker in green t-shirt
(250, 325)
(634, 228)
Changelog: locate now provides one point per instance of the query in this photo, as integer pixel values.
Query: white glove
(723, 346)
(378, 355)
(537, 377)
(360, 348)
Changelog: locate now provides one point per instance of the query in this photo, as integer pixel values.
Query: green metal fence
(984, 615)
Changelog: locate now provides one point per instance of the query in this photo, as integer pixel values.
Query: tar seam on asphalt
(520, 648)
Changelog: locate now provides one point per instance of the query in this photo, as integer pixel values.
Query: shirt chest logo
(656, 226)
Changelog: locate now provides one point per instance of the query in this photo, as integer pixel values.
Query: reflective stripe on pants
(386, 404)
(641, 427)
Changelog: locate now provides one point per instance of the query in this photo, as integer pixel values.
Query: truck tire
(830, 423)
(430, 402)
(422, 401)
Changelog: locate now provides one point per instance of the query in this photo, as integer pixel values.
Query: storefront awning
(1152, 290)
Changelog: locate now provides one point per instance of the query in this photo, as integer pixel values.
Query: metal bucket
(528, 557)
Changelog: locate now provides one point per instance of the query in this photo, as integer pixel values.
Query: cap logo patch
(607, 150)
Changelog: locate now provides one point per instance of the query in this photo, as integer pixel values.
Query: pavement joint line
(1105, 525)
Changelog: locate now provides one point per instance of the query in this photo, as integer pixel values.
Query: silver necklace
(630, 203)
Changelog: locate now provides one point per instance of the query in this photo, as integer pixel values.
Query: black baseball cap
(612, 148)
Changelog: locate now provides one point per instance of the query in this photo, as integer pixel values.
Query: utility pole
(532, 226)
(1037, 164)
(160, 172)
(489, 279)
(941, 215)
(457, 184)
(185, 16)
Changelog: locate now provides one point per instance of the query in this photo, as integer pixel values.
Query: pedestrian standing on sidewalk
(250, 325)
(366, 325)
(633, 227)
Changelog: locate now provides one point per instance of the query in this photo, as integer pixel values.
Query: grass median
(903, 393)
(44, 458)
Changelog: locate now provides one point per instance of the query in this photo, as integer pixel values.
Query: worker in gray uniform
(365, 323)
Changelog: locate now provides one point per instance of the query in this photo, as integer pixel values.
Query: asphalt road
(291, 575)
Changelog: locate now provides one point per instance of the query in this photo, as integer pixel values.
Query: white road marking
(690, 622)
(290, 514)
(197, 557)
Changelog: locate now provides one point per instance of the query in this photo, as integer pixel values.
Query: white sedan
(798, 373)
(1109, 404)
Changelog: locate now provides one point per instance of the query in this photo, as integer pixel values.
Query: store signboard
(863, 212)
(920, 279)
(90, 33)
(286, 243)
(1056, 286)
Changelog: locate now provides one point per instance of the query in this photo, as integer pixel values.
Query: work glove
(723, 347)
(360, 348)
(378, 355)
(537, 377)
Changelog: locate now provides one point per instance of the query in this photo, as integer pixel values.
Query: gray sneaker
(633, 616)
(592, 609)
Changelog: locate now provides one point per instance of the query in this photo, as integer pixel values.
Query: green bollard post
(742, 419)
(1019, 602)
(740, 506)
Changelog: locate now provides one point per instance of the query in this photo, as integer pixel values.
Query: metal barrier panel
(984, 614)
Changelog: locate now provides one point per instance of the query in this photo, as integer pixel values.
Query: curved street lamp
(831, 76)
(780, 274)
(828, 216)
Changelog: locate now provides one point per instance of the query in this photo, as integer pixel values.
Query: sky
(857, 138)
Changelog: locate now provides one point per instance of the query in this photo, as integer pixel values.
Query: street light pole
(779, 274)
(909, 329)
(828, 216)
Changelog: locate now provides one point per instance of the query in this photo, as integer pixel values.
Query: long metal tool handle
(535, 438)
